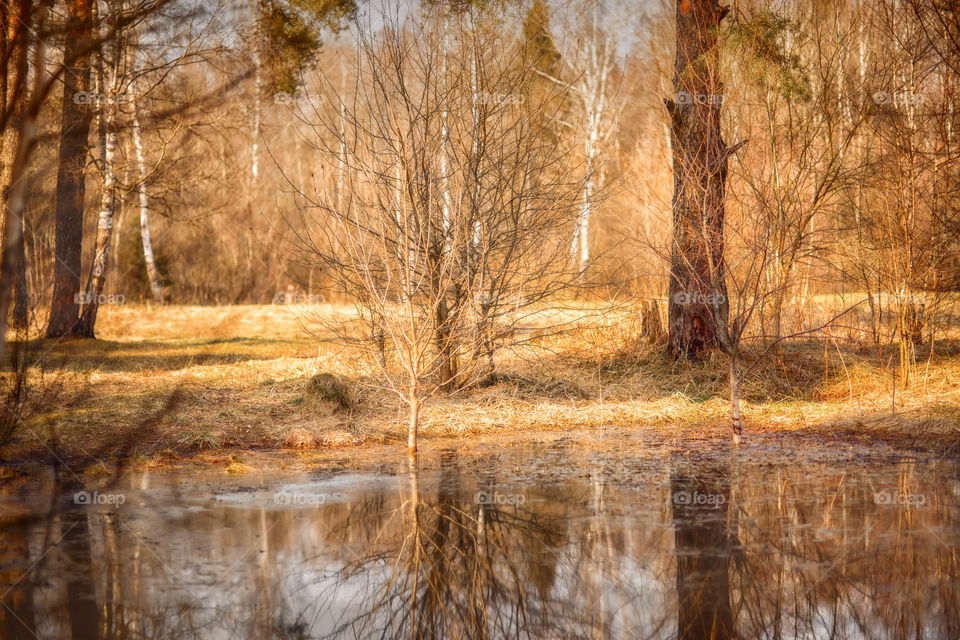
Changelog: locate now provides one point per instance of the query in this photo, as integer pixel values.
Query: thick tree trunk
(153, 273)
(697, 279)
(75, 129)
(17, 141)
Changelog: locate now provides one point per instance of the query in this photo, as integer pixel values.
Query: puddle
(549, 541)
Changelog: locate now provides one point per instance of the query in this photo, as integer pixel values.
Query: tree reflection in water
(714, 547)
(462, 569)
(701, 502)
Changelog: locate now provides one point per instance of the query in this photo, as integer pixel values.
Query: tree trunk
(414, 424)
(17, 141)
(257, 116)
(697, 279)
(74, 131)
(736, 423)
(153, 274)
(108, 196)
(21, 300)
(580, 247)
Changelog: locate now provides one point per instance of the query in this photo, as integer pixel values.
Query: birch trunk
(153, 274)
(101, 257)
(593, 67)
(257, 117)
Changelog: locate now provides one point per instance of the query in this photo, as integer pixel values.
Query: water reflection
(705, 548)
(703, 541)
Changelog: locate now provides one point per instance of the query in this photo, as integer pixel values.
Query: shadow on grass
(82, 355)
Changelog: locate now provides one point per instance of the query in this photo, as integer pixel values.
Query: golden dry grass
(182, 381)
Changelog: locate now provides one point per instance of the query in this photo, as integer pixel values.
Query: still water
(554, 540)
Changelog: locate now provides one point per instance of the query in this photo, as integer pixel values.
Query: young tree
(440, 262)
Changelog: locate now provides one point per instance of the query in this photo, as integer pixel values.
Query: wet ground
(576, 536)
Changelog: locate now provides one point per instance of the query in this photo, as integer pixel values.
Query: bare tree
(442, 258)
(590, 65)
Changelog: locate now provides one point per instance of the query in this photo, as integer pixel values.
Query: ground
(178, 383)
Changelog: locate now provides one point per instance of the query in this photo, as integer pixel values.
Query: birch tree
(143, 200)
(108, 93)
(591, 64)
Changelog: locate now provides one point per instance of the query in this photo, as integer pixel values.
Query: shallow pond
(614, 539)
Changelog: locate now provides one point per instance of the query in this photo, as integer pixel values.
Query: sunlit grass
(243, 375)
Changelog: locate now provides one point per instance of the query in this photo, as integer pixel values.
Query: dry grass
(242, 378)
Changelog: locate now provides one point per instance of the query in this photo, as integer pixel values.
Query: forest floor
(173, 383)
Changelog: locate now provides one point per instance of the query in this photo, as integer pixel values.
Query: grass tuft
(326, 387)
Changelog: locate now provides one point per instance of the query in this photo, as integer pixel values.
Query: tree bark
(17, 141)
(414, 424)
(101, 256)
(153, 273)
(697, 279)
(74, 129)
(106, 124)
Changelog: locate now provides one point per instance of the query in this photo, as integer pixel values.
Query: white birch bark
(106, 120)
(143, 196)
(257, 117)
(591, 64)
